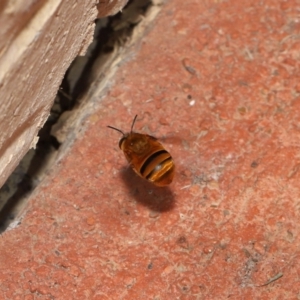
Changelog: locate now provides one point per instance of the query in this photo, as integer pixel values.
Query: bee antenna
(133, 122)
(116, 129)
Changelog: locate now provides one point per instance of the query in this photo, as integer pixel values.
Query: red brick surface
(218, 83)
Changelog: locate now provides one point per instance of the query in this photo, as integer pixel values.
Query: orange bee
(148, 158)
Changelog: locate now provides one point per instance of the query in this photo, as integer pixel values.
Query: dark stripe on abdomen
(159, 166)
(152, 161)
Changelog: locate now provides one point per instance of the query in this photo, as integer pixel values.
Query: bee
(147, 157)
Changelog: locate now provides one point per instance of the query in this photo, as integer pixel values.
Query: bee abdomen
(158, 168)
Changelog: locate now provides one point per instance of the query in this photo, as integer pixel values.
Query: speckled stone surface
(218, 83)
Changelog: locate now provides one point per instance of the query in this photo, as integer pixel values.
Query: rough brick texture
(39, 40)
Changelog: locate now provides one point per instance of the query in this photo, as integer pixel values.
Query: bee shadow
(160, 199)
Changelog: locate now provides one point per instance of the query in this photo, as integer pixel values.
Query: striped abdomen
(158, 168)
